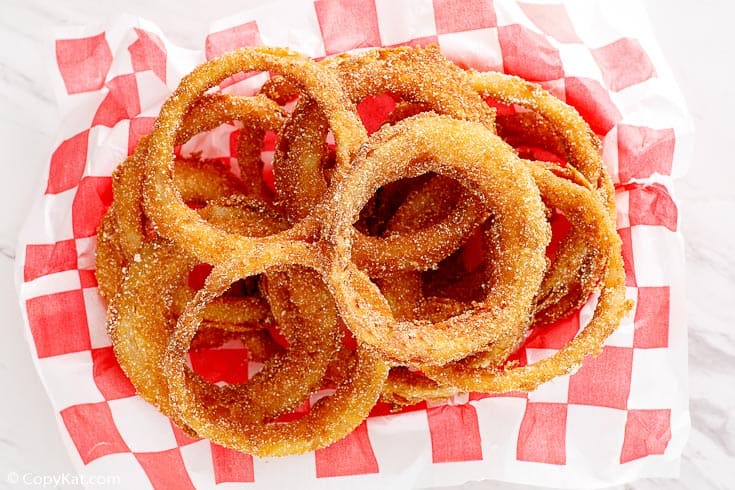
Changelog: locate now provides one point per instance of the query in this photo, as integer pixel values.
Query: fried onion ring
(412, 147)
(556, 126)
(611, 307)
(139, 323)
(405, 266)
(328, 420)
(162, 202)
(421, 76)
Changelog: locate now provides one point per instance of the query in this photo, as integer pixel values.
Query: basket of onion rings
(423, 237)
(363, 238)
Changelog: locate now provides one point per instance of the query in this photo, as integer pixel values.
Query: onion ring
(412, 147)
(554, 125)
(288, 377)
(611, 306)
(581, 144)
(257, 114)
(330, 419)
(163, 204)
(208, 113)
(583, 208)
(139, 323)
(421, 75)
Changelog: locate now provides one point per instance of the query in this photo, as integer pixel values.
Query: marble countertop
(697, 44)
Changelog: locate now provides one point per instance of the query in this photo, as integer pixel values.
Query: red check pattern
(353, 455)
(646, 432)
(453, 16)
(652, 318)
(108, 376)
(593, 102)
(67, 163)
(623, 63)
(165, 469)
(227, 40)
(527, 39)
(455, 433)
(93, 197)
(643, 151)
(92, 444)
(652, 205)
(529, 54)
(58, 323)
(541, 437)
(42, 260)
(552, 20)
(603, 381)
(231, 466)
(83, 62)
(346, 25)
(148, 53)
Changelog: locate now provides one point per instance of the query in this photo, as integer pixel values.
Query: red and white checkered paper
(622, 416)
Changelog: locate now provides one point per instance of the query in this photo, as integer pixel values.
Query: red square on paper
(139, 127)
(374, 111)
(58, 323)
(87, 278)
(652, 205)
(231, 466)
(269, 141)
(236, 37)
(646, 432)
(122, 101)
(554, 336)
(93, 431)
(542, 437)
(453, 16)
(623, 63)
(528, 54)
(93, 197)
(83, 63)
(234, 141)
(67, 164)
(347, 24)
(627, 252)
(455, 433)
(603, 381)
(215, 365)
(643, 151)
(652, 318)
(47, 259)
(557, 88)
(593, 103)
(148, 53)
(552, 19)
(109, 376)
(165, 469)
(352, 455)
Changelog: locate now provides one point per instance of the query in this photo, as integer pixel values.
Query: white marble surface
(697, 39)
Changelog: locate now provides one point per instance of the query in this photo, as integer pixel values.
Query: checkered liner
(623, 415)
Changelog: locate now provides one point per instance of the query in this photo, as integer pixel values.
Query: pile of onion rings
(399, 266)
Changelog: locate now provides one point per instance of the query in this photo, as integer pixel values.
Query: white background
(697, 39)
